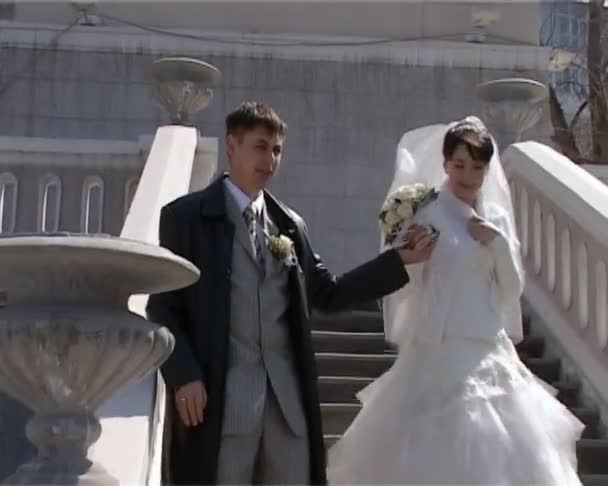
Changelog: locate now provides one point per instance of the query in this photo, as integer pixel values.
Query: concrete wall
(345, 119)
(518, 21)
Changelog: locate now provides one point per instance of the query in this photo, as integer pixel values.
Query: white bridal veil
(420, 159)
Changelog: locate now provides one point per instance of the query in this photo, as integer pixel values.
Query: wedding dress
(458, 406)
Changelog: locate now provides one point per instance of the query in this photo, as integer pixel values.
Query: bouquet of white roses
(400, 207)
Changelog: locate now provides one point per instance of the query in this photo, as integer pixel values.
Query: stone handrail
(562, 217)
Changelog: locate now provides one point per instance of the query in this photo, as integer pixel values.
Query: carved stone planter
(512, 106)
(68, 340)
(182, 86)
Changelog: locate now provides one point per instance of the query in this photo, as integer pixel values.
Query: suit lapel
(282, 222)
(286, 225)
(271, 228)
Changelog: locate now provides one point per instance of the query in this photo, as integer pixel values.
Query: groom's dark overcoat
(197, 228)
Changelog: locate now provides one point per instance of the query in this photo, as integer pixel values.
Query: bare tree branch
(590, 136)
(596, 67)
(577, 115)
(563, 136)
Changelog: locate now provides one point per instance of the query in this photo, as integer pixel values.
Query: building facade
(564, 26)
(348, 79)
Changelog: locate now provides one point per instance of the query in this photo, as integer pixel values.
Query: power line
(36, 56)
(223, 40)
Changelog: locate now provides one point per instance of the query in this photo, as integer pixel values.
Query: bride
(458, 406)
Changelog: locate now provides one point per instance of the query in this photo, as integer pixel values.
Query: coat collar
(213, 200)
(213, 205)
(279, 213)
(458, 207)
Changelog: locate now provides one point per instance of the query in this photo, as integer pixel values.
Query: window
(548, 25)
(8, 202)
(569, 28)
(130, 190)
(92, 205)
(563, 33)
(50, 207)
(575, 32)
(582, 38)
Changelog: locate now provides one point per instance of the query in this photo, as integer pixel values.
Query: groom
(243, 404)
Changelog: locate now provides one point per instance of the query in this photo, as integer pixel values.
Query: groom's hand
(413, 236)
(420, 246)
(190, 401)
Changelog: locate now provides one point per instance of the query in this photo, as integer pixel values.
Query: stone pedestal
(204, 166)
(511, 107)
(68, 341)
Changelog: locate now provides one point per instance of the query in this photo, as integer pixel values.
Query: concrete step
(365, 321)
(348, 342)
(374, 342)
(526, 324)
(352, 321)
(567, 392)
(369, 306)
(547, 369)
(347, 364)
(330, 439)
(594, 479)
(591, 419)
(341, 389)
(592, 456)
(338, 416)
(373, 365)
(531, 347)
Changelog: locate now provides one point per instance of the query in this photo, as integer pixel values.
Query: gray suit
(264, 419)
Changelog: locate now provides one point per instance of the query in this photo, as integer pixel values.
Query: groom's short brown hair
(250, 115)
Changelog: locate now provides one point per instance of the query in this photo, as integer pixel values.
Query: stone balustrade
(562, 217)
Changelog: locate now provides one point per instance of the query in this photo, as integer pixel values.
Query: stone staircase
(351, 352)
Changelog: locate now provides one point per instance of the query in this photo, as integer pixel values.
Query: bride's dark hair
(473, 134)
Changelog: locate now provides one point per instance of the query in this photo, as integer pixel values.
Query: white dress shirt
(243, 200)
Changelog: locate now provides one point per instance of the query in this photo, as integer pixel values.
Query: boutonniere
(282, 248)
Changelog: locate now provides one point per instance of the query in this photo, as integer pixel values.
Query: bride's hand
(482, 231)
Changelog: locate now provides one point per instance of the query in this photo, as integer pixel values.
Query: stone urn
(68, 341)
(512, 106)
(182, 86)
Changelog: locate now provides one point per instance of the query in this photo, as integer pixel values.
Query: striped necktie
(252, 220)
